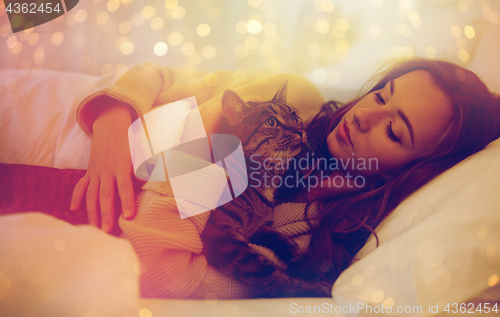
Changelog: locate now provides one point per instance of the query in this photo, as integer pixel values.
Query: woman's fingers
(93, 202)
(78, 193)
(106, 202)
(126, 192)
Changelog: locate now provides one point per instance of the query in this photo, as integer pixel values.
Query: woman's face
(393, 125)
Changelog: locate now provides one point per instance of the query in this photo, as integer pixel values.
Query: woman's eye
(379, 98)
(271, 122)
(391, 134)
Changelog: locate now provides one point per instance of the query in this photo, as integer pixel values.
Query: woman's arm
(109, 169)
(106, 113)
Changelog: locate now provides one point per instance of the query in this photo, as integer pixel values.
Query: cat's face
(268, 129)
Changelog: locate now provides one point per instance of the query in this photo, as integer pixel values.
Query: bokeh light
(269, 28)
(241, 51)
(377, 3)
(33, 38)
(203, 30)
(414, 18)
(113, 5)
(319, 76)
(251, 42)
(342, 24)
(463, 56)
(463, 6)
(482, 233)
(70, 20)
(358, 280)
(57, 38)
(144, 312)
(253, 27)
(208, 52)
(334, 78)
(378, 296)
(493, 280)
(188, 48)
(81, 16)
(322, 26)
(176, 38)
(241, 27)
(16, 49)
(127, 48)
(125, 27)
(178, 13)
(456, 31)
(160, 49)
(213, 12)
(254, 3)
(137, 20)
(430, 52)
(148, 12)
(107, 69)
(388, 302)
(11, 41)
(102, 18)
(327, 6)
(469, 31)
(157, 24)
(211, 79)
(171, 4)
(461, 43)
(39, 57)
(491, 250)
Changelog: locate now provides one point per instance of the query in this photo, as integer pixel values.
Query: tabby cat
(270, 132)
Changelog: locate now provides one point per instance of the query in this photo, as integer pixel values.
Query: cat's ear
(233, 107)
(281, 94)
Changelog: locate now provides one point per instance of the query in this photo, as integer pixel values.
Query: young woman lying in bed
(420, 118)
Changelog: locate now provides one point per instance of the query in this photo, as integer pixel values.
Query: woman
(416, 122)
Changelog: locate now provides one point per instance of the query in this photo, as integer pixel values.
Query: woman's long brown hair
(345, 222)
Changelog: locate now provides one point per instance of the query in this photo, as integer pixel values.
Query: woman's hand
(110, 169)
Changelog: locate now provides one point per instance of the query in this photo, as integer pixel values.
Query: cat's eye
(271, 121)
(294, 116)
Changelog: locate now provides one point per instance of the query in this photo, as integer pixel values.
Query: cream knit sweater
(170, 248)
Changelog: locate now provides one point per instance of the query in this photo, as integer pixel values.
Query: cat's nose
(299, 132)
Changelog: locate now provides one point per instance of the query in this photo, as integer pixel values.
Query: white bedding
(441, 246)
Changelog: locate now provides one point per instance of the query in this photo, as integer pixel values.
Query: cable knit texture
(170, 248)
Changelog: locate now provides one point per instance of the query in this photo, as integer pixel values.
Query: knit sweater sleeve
(169, 248)
(149, 84)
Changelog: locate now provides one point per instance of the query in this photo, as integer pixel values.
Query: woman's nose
(366, 118)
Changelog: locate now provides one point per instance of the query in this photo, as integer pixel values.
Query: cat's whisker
(313, 143)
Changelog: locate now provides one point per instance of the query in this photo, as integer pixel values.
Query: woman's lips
(345, 132)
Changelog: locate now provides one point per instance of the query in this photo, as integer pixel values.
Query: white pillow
(440, 246)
